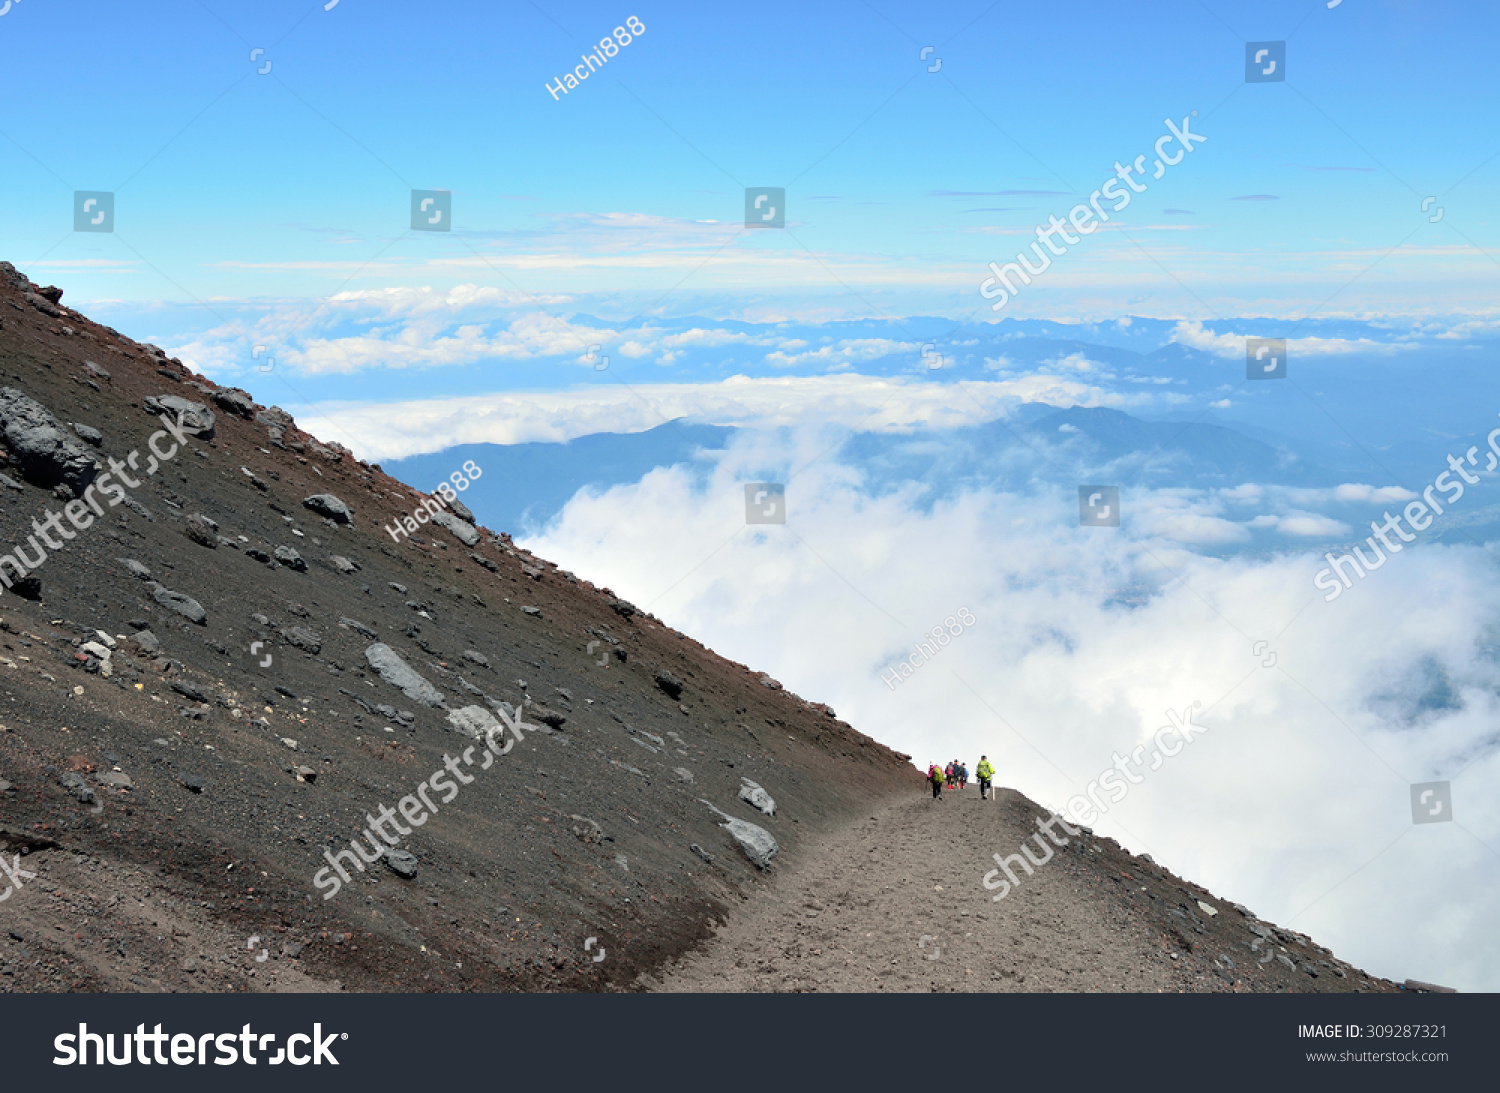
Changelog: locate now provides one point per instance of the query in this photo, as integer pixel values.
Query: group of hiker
(956, 776)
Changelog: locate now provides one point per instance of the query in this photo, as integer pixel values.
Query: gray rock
(275, 417)
(44, 305)
(401, 862)
(1286, 961)
(291, 559)
(535, 612)
(41, 451)
(756, 842)
(135, 569)
(191, 417)
(326, 504)
(146, 642)
(359, 628)
(200, 529)
(395, 671)
(476, 657)
(302, 638)
(115, 780)
(88, 434)
(622, 608)
(473, 721)
(463, 531)
(344, 565)
(185, 606)
(234, 401)
(704, 854)
(767, 681)
(401, 588)
(682, 772)
(10, 483)
(192, 783)
(757, 798)
(668, 683)
(462, 511)
(95, 370)
(189, 690)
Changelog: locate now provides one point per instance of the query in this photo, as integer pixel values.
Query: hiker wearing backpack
(986, 772)
(935, 776)
(963, 776)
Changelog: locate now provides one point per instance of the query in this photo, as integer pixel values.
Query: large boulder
(275, 417)
(464, 532)
(462, 511)
(326, 504)
(395, 671)
(43, 453)
(191, 417)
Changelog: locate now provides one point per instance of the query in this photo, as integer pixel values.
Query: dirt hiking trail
(896, 902)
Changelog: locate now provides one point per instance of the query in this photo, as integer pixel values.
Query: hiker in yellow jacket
(985, 773)
(935, 776)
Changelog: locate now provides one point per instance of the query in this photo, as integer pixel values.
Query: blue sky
(902, 183)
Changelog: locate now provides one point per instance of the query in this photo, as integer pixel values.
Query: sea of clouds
(1296, 801)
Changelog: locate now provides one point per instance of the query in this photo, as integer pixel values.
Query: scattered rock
(192, 782)
(756, 797)
(326, 504)
(185, 606)
(395, 671)
(668, 683)
(191, 417)
(359, 628)
(234, 401)
(769, 682)
(146, 642)
(302, 638)
(135, 569)
(535, 612)
(88, 434)
(189, 690)
(476, 657)
(401, 862)
(291, 559)
(756, 842)
(344, 565)
(42, 453)
(473, 721)
(704, 854)
(463, 531)
(203, 531)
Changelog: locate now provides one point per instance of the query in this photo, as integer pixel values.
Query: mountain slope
(187, 801)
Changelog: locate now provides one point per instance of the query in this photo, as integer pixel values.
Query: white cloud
(1296, 796)
(391, 430)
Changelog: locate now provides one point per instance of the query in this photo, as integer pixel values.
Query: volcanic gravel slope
(176, 811)
(897, 902)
